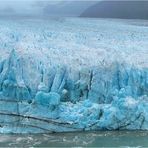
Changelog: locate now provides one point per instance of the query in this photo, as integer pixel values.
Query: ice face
(72, 75)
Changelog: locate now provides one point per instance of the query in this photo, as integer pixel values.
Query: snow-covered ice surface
(71, 74)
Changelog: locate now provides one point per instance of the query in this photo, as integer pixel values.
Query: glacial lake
(77, 139)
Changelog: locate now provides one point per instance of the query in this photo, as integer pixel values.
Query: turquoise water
(82, 139)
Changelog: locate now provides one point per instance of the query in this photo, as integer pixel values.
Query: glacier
(73, 74)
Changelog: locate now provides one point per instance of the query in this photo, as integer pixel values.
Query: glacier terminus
(72, 74)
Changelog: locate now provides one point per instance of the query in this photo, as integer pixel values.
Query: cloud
(20, 7)
(67, 8)
(7, 10)
(42, 7)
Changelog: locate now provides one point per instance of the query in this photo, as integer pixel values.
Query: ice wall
(93, 88)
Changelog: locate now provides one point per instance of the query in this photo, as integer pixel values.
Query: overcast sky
(38, 7)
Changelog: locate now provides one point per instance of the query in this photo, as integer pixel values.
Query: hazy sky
(36, 7)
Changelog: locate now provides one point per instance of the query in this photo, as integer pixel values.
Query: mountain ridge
(118, 9)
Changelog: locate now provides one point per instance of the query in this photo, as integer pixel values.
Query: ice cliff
(73, 74)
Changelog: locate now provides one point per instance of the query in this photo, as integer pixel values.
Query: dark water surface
(82, 139)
